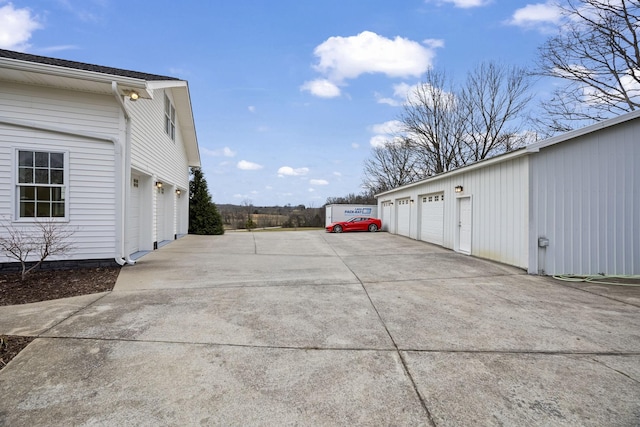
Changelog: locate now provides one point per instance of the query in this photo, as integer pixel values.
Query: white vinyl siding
(90, 188)
(78, 111)
(90, 194)
(152, 151)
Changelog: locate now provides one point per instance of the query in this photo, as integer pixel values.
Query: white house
(106, 151)
(566, 205)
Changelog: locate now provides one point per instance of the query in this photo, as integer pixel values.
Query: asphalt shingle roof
(81, 66)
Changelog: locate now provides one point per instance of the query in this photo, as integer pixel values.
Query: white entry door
(133, 222)
(160, 215)
(464, 225)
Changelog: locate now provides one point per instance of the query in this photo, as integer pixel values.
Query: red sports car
(355, 224)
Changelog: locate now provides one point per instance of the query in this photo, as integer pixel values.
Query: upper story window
(169, 118)
(41, 184)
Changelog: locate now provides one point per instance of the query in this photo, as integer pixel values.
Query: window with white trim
(41, 184)
(169, 118)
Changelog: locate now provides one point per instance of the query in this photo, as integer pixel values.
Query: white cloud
(379, 141)
(355, 145)
(318, 182)
(226, 152)
(16, 27)
(342, 58)
(392, 127)
(401, 92)
(322, 88)
(61, 48)
(540, 16)
(465, 4)
(433, 43)
(289, 171)
(251, 108)
(385, 132)
(337, 174)
(248, 166)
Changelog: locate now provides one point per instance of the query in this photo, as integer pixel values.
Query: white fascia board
(166, 84)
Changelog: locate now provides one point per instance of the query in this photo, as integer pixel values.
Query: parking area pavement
(309, 328)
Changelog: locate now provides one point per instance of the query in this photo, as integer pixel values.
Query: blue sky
(288, 96)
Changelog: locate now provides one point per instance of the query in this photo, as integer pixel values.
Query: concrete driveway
(308, 328)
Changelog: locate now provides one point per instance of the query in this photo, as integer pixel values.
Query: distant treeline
(249, 216)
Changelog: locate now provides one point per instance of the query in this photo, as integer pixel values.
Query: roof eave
(126, 83)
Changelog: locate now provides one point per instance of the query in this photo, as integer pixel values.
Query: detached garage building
(566, 205)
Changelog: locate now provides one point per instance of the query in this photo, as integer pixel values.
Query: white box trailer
(336, 213)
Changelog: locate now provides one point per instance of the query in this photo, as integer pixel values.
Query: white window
(41, 184)
(169, 118)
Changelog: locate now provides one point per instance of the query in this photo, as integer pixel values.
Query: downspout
(126, 152)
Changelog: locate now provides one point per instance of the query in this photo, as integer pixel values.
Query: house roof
(81, 66)
(71, 75)
(529, 149)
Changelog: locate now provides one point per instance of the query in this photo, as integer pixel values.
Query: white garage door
(432, 218)
(403, 217)
(133, 222)
(386, 215)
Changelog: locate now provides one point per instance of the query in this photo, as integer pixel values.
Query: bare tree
(596, 54)
(493, 103)
(432, 122)
(449, 128)
(34, 245)
(391, 166)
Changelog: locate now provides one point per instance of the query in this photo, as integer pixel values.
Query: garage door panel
(403, 217)
(432, 218)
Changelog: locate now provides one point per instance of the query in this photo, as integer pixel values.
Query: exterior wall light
(459, 189)
(159, 184)
(412, 200)
(132, 94)
(178, 191)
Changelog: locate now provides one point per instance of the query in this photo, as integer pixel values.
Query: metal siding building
(586, 202)
(579, 192)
